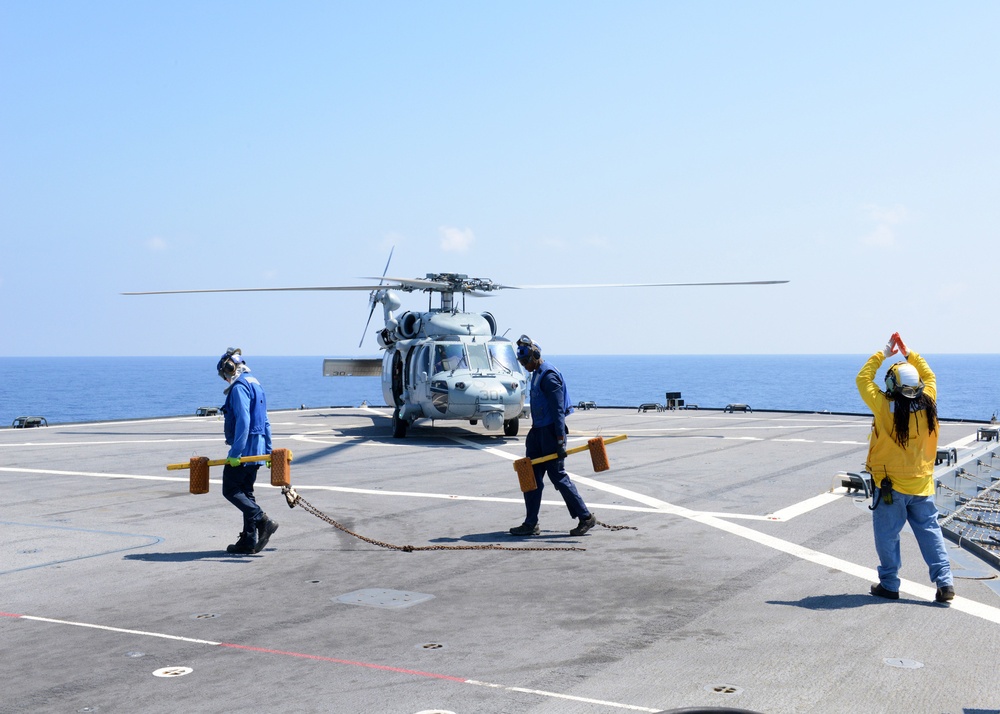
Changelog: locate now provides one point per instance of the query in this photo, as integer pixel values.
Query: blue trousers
(921, 513)
(541, 441)
(237, 487)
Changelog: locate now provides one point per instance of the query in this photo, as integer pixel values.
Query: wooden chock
(598, 454)
(525, 474)
(281, 467)
(199, 474)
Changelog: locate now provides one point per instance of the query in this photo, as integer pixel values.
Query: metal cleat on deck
(854, 483)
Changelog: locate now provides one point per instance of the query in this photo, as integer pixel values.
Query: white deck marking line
(781, 427)
(366, 665)
(333, 439)
(970, 607)
(101, 474)
(121, 630)
(334, 489)
(107, 443)
(569, 697)
(797, 509)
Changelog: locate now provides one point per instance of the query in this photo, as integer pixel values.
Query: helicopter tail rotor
(373, 294)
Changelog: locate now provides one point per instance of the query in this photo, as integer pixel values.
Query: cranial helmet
(228, 363)
(527, 350)
(903, 379)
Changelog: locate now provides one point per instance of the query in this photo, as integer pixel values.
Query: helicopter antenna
(371, 296)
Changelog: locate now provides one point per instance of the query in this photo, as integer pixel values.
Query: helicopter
(443, 363)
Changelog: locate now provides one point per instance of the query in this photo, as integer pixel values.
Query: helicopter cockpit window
(504, 357)
(449, 357)
(422, 363)
(479, 360)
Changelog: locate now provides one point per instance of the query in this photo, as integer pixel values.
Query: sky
(851, 148)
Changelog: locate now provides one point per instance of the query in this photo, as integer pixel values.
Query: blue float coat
(247, 429)
(549, 399)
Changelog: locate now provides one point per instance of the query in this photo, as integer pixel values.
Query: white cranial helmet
(902, 378)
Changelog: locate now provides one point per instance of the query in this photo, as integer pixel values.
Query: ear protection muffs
(527, 350)
(227, 363)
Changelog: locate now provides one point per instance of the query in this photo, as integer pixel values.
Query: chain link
(616, 528)
(294, 499)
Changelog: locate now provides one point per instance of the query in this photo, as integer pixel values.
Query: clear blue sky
(852, 148)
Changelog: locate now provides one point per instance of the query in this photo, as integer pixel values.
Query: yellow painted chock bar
(280, 459)
(598, 455)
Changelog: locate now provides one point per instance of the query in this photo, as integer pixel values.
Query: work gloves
(894, 345)
(233, 460)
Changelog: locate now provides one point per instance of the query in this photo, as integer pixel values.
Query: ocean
(79, 389)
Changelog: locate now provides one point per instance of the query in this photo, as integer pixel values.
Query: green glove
(233, 460)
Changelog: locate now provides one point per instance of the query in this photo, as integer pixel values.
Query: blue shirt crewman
(549, 406)
(248, 433)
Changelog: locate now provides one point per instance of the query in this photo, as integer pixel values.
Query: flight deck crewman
(549, 406)
(901, 453)
(248, 433)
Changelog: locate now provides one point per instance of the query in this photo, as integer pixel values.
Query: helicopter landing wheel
(510, 427)
(473, 421)
(398, 425)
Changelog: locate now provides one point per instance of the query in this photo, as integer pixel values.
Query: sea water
(74, 389)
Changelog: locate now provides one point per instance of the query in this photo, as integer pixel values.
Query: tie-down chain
(294, 499)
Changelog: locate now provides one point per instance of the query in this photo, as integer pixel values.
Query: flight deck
(740, 580)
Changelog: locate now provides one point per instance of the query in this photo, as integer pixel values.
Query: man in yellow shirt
(901, 452)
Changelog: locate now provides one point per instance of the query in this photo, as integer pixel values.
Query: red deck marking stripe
(369, 665)
(9, 614)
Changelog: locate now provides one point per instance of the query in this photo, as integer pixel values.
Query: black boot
(585, 525)
(265, 529)
(244, 546)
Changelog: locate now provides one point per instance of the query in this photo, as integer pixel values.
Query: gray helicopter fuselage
(450, 365)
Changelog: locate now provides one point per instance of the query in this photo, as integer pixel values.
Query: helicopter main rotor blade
(367, 323)
(371, 298)
(410, 284)
(251, 290)
(642, 285)
(415, 283)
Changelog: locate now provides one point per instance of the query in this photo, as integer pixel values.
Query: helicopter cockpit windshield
(449, 356)
(504, 357)
(479, 361)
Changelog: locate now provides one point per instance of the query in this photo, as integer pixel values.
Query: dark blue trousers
(237, 487)
(541, 441)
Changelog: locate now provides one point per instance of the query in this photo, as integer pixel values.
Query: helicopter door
(397, 379)
(419, 372)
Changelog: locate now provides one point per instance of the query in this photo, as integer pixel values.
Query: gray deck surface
(745, 585)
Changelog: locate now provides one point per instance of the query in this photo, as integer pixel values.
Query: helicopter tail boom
(353, 367)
